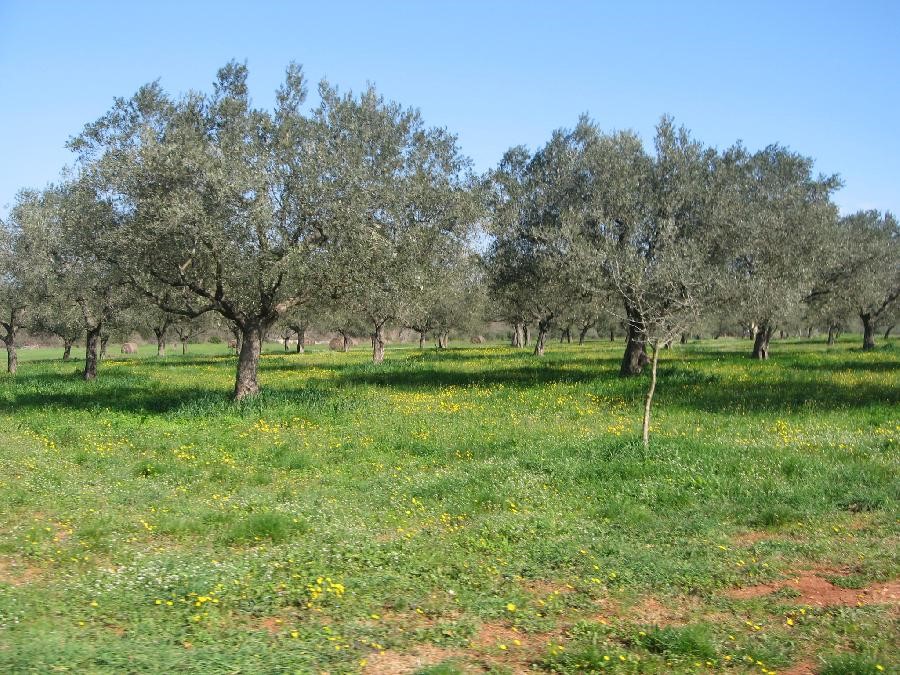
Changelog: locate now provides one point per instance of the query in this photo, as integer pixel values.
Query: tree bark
(518, 338)
(301, 340)
(635, 357)
(91, 353)
(543, 328)
(421, 339)
(183, 347)
(246, 383)
(868, 322)
(160, 343)
(612, 334)
(888, 331)
(761, 342)
(684, 338)
(832, 332)
(67, 349)
(285, 339)
(583, 334)
(104, 340)
(12, 357)
(527, 335)
(378, 344)
(649, 400)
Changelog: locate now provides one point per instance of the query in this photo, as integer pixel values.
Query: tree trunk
(518, 338)
(583, 334)
(183, 347)
(67, 349)
(868, 331)
(160, 343)
(91, 355)
(635, 357)
(684, 338)
(832, 331)
(104, 340)
(421, 339)
(285, 342)
(888, 331)
(245, 383)
(612, 334)
(761, 342)
(649, 400)
(378, 344)
(527, 333)
(12, 357)
(543, 328)
(301, 340)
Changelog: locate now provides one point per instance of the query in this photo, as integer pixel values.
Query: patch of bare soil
(750, 538)
(814, 590)
(391, 662)
(802, 668)
(17, 573)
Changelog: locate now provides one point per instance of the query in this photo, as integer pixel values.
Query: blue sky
(821, 77)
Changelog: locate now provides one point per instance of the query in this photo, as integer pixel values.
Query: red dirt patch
(649, 610)
(272, 624)
(392, 662)
(17, 573)
(541, 588)
(750, 538)
(802, 668)
(816, 591)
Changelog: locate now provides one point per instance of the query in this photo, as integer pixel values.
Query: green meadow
(467, 510)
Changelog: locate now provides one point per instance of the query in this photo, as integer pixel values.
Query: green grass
(471, 510)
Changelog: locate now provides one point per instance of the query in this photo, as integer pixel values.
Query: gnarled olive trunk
(67, 349)
(832, 335)
(104, 341)
(868, 322)
(526, 332)
(761, 342)
(301, 340)
(635, 357)
(246, 383)
(888, 331)
(286, 339)
(183, 348)
(442, 340)
(92, 353)
(684, 338)
(583, 334)
(378, 344)
(160, 344)
(612, 334)
(518, 336)
(421, 339)
(12, 357)
(544, 326)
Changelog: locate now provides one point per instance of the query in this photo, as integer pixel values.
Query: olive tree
(404, 190)
(219, 206)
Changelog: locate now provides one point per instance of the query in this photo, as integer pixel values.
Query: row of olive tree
(203, 203)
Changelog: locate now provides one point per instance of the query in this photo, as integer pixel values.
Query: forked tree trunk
(91, 353)
(160, 343)
(635, 357)
(649, 400)
(868, 330)
(832, 333)
(518, 338)
(378, 344)
(67, 349)
(246, 382)
(583, 334)
(761, 342)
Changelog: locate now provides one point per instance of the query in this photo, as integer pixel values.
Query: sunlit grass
(147, 523)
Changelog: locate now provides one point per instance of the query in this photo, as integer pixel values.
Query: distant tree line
(353, 215)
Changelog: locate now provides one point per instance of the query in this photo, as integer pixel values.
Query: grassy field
(473, 510)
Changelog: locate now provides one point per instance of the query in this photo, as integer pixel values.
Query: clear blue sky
(821, 77)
